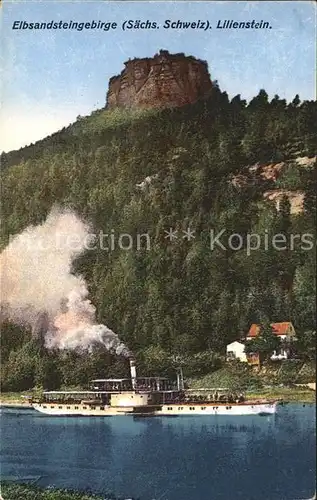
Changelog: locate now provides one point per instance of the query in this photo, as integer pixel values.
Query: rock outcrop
(272, 172)
(166, 80)
(296, 199)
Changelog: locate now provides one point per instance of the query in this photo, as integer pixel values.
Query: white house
(235, 350)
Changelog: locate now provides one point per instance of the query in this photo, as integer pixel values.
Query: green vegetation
(233, 376)
(287, 394)
(12, 491)
(291, 178)
(178, 302)
(273, 381)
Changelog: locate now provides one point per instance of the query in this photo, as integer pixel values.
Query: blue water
(166, 458)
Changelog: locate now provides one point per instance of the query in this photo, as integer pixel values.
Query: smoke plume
(39, 289)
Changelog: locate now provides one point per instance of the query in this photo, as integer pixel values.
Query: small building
(235, 350)
(284, 330)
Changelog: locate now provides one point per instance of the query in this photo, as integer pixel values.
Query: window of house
(76, 407)
(68, 407)
(52, 407)
(92, 407)
(60, 407)
(84, 407)
(203, 407)
(102, 407)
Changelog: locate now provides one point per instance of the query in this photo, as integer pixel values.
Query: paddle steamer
(148, 396)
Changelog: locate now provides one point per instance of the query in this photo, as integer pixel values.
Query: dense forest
(146, 171)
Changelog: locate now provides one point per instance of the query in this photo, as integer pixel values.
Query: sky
(48, 78)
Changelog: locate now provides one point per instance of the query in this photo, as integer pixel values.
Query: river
(166, 458)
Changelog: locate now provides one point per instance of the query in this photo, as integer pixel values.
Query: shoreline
(303, 394)
(16, 491)
(14, 404)
(24, 490)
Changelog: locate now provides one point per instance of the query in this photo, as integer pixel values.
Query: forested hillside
(149, 171)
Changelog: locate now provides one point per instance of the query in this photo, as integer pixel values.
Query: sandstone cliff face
(273, 172)
(296, 199)
(166, 80)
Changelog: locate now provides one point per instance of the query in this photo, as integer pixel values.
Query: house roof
(235, 344)
(281, 328)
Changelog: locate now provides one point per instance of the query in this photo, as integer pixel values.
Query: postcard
(158, 262)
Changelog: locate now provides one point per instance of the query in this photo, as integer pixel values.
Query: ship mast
(180, 379)
(133, 372)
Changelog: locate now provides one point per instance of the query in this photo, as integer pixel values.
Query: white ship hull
(220, 409)
(234, 409)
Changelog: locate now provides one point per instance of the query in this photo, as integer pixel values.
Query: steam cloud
(39, 289)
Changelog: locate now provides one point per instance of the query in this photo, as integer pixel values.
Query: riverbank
(15, 399)
(14, 404)
(291, 394)
(287, 382)
(13, 491)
